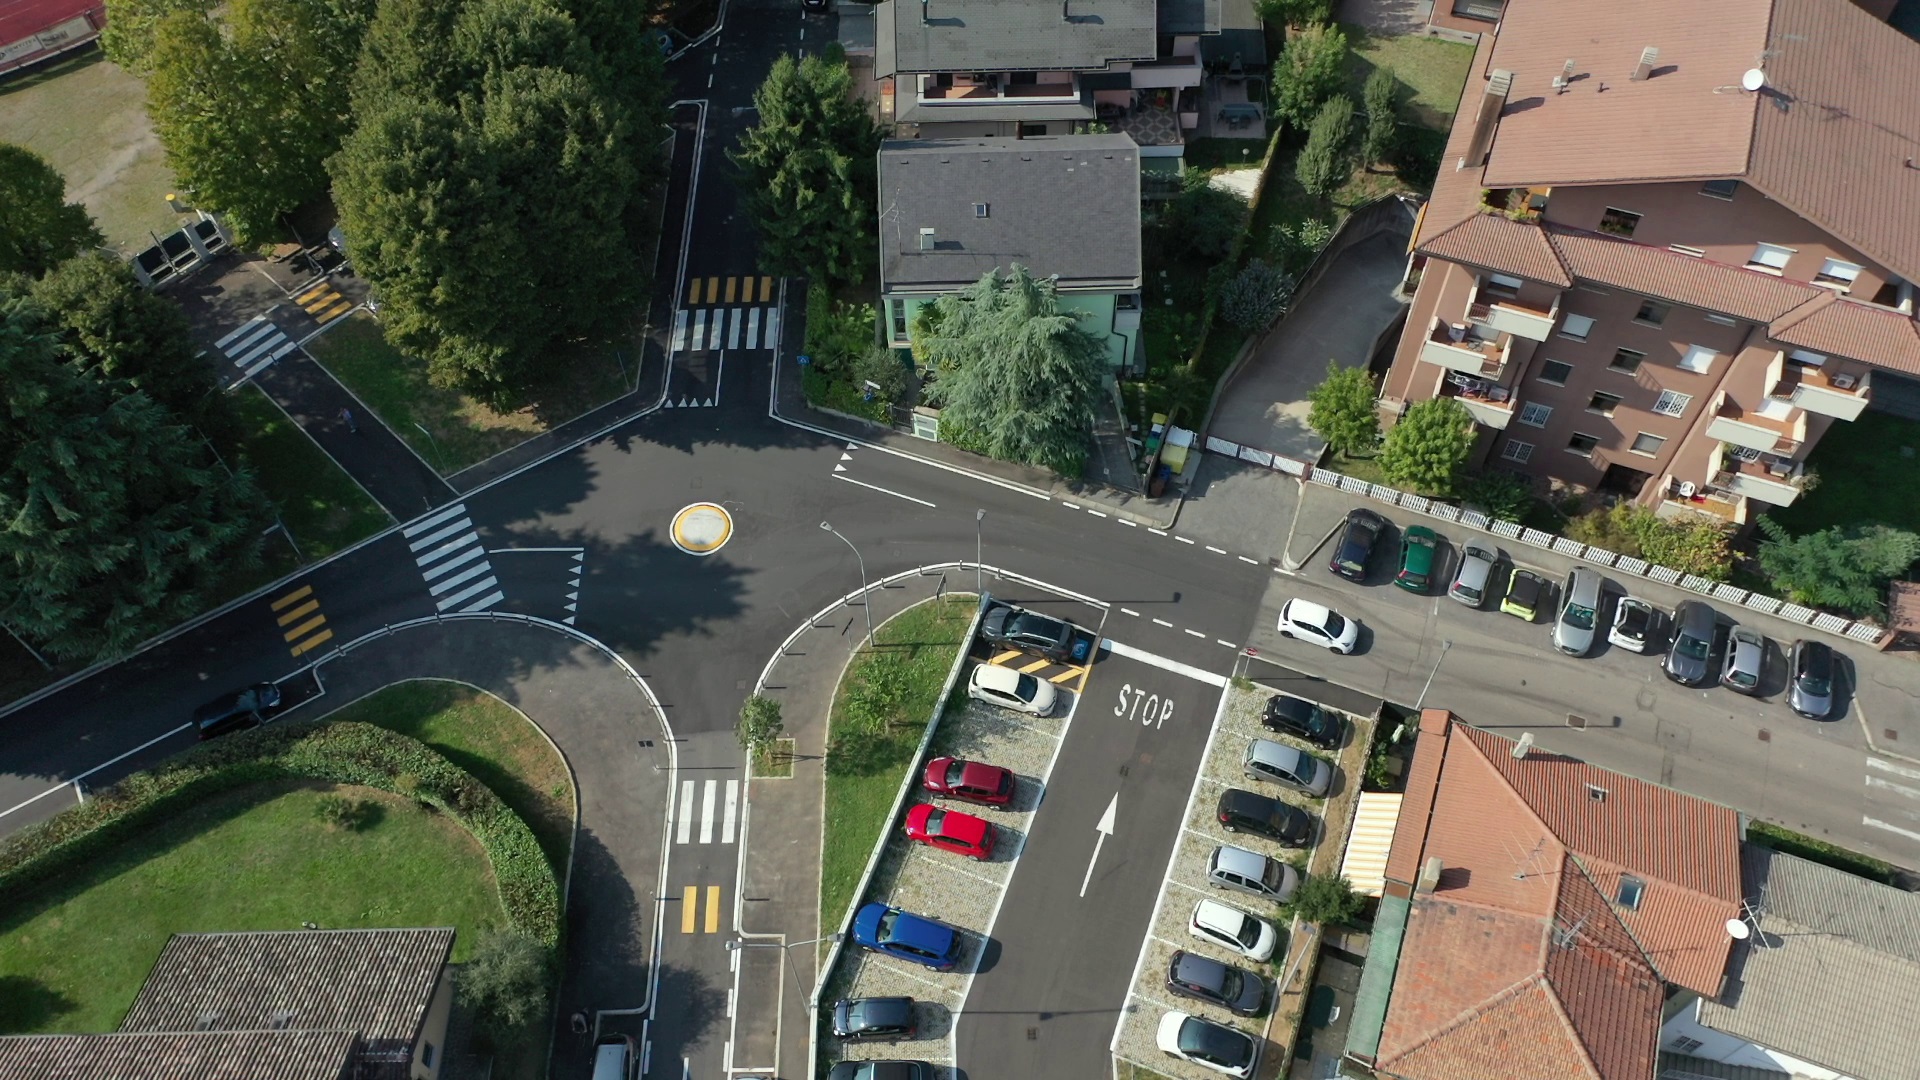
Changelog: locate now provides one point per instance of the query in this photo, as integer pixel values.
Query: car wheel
(1286, 633)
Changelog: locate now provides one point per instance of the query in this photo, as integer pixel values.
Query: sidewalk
(780, 856)
(377, 459)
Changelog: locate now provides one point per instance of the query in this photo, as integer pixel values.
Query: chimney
(926, 239)
(1429, 877)
(1565, 78)
(1649, 56)
(1525, 744)
(1492, 100)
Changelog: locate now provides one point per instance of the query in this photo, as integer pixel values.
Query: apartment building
(1456, 18)
(1671, 245)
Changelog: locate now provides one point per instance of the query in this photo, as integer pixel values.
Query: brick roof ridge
(1534, 985)
(1531, 235)
(1566, 1022)
(1536, 977)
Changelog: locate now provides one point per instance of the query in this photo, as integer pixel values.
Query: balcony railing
(1461, 348)
(1841, 396)
(1507, 317)
(1489, 404)
(1751, 430)
(1771, 480)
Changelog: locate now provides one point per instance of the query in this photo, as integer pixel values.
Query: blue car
(907, 936)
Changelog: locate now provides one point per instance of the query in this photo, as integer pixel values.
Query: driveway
(1265, 406)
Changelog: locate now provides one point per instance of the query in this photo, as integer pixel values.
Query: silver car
(1746, 655)
(1579, 613)
(1810, 684)
(1470, 581)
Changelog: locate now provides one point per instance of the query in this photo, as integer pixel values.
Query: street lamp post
(866, 603)
(742, 943)
(433, 442)
(979, 583)
(1444, 646)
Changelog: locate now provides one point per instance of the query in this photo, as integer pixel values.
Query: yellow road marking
(713, 909)
(302, 630)
(1005, 656)
(713, 290)
(314, 307)
(345, 305)
(1036, 666)
(1081, 686)
(732, 284)
(311, 293)
(766, 289)
(1068, 674)
(302, 591)
(311, 605)
(693, 291)
(313, 642)
(689, 908)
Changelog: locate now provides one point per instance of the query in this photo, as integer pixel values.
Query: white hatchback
(1011, 689)
(1320, 625)
(1230, 928)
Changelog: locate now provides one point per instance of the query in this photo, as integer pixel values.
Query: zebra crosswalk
(718, 328)
(452, 561)
(255, 346)
(706, 804)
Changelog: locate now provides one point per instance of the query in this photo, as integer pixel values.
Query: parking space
(1238, 723)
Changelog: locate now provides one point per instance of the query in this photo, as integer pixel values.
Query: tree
(1312, 68)
(505, 982)
(1255, 296)
(806, 171)
(1694, 544)
(495, 190)
(1323, 163)
(1845, 568)
(1295, 245)
(119, 523)
(1017, 376)
(1203, 221)
(1293, 12)
(1425, 450)
(1504, 495)
(1327, 900)
(39, 228)
(760, 723)
(1342, 410)
(1379, 97)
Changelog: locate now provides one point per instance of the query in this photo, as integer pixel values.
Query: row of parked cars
(1577, 623)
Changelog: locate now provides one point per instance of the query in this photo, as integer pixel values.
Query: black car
(1240, 810)
(1302, 719)
(874, 1018)
(1358, 538)
(237, 709)
(1194, 976)
(881, 1070)
(1029, 631)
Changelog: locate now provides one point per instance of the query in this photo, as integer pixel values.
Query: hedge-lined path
(598, 718)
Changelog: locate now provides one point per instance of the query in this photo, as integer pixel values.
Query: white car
(1011, 689)
(1208, 1045)
(1230, 928)
(1318, 624)
(1633, 624)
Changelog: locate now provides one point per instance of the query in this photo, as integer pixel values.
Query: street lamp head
(826, 526)
(979, 515)
(733, 943)
(837, 937)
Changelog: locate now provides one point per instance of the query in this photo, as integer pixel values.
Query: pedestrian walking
(346, 417)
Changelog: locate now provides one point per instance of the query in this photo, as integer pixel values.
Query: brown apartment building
(1671, 244)
(1458, 18)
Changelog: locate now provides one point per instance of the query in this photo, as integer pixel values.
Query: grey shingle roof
(375, 982)
(1841, 961)
(1034, 35)
(179, 1055)
(1684, 1067)
(1066, 205)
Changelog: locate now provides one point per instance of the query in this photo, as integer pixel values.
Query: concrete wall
(1715, 1046)
(433, 1031)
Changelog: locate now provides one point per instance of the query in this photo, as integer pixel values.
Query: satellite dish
(1753, 80)
(1737, 929)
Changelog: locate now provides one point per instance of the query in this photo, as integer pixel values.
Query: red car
(988, 785)
(950, 829)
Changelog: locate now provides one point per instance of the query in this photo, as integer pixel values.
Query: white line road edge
(1161, 662)
(883, 491)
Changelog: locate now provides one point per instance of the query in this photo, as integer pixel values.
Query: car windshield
(1351, 564)
(934, 821)
(1525, 589)
(1692, 648)
(1307, 769)
(1580, 618)
(1209, 1042)
(1027, 688)
(956, 771)
(1743, 677)
(1249, 933)
(1335, 624)
(1467, 591)
(1812, 682)
(1633, 619)
(1320, 723)
(883, 930)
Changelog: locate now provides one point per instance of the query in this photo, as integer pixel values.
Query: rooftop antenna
(1563, 936)
(1526, 868)
(1753, 80)
(1561, 81)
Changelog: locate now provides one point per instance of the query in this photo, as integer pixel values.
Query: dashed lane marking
(1163, 622)
(1157, 532)
(713, 909)
(1196, 633)
(1129, 611)
(1096, 513)
(689, 908)
(1183, 539)
(1215, 550)
(1249, 562)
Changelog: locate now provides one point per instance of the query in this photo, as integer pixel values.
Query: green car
(1418, 546)
(1524, 591)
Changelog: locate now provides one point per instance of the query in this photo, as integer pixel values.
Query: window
(1684, 1045)
(1023, 78)
(1698, 358)
(1672, 404)
(1649, 445)
(1769, 258)
(1688, 250)
(1555, 372)
(1576, 327)
(1626, 361)
(1720, 189)
(899, 310)
(1502, 285)
(1028, 131)
(1630, 891)
(1604, 404)
(1652, 312)
(1127, 301)
(1583, 444)
(426, 1055)
(1723, 320)
(1517, 451)
(1534, 414)
(1837, 273)
(1806, 358)
(1617, 222)
(979, 209)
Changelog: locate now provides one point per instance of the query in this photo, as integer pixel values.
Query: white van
(613, 1058)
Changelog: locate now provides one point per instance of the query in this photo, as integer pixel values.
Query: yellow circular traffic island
(702, 528)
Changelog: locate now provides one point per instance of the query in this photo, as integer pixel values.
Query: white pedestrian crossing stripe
(452, 561)
(255, 346)
(707, 809)
(711, 329)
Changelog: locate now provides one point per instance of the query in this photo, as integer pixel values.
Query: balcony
(1754, 431)
(1771, 480)
(1490, 405)
(1464, 349)
(1839, 395)
(1507, 317)
(1683, 499)
(997, 88)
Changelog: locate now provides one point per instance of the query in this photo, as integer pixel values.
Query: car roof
(1420, 532)
(961, 826)
(994, 677)
(1694, 618)
(1275, 753)
(979, 774)
(1223, 917)
(1191, 967)
(882, 1009)
(1361, 513)
(1292, 707)
(1475, 569)
(1239, 860)
(1525, 584)
(1248, 801)
(1814, 654)
(922, 932)
(1747, 639)
(1308, 611)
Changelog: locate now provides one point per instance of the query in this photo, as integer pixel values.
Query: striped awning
(1365, 864)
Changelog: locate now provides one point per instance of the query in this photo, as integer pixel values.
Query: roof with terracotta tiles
(1886, 338)
(1499, 243)
(1701, 283)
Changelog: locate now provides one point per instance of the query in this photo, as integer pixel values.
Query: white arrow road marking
(1105, 829)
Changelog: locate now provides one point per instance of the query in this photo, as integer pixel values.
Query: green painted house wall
(1097, 311)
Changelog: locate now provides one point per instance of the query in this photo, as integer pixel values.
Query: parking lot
(1184, 885)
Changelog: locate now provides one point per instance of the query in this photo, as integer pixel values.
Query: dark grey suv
(1244, 811)
(874, 1018)
(1686, 662)
(1194, 976)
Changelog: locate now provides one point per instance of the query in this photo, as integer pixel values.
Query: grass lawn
(1433, 71)
(464, 430)
(1869, 471)
(925, 638)
(88, 118)
(486, 737)
(319, 503)
(73, 956)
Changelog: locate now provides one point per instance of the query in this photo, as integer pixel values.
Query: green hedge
(341, 753)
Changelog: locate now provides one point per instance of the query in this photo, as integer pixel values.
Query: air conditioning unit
(1780, 468)
(1745, 453)
(1843, 382)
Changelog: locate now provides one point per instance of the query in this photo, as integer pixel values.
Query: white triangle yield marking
(707, 404)
(846, 457)
(579, 556)
(683, 403)
(839, 468)
(574, 584)
(568, 620)
(573, 595)
(853, 446)
(573, 607)
(667, 404)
